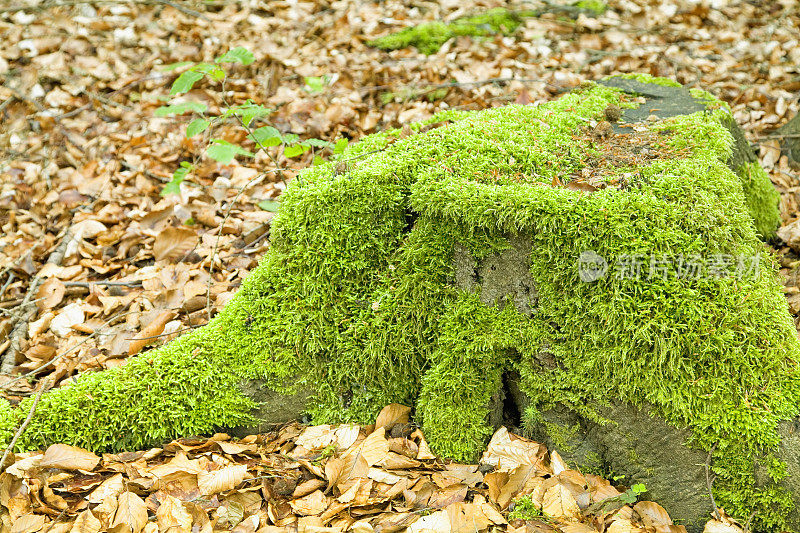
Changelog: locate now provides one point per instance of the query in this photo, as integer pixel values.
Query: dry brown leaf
(110, 488)
(174, 243)
(506, 451)
(28, 523)
(68, 458)
(623, 525)
(517, 480)
(652, 514)
(424, 453)
(577, 528)
(153, 329)
(50, 294)
(173, 517)
(313, 504)
(558, 502)
(438, 522)
(86, 522)
(375, 446)
(131, 515)
(69, 316)
(392, 414)
(466, 517)
(716, 526)
(557, 464)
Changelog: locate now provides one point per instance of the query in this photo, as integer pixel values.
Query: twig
(57, 358)
(710, 481)
(115, 91)
(67, 3)
(41, 109)
(7, 283)
(56, 519)
(90, 284)
(255, 179)
(779, 136)
(190, 328)
(27, 309)
(46, 385)
(434, 86)
(749, 520)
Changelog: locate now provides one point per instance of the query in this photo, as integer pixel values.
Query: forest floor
(96, 264)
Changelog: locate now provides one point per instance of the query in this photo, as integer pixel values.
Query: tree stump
(600, 284)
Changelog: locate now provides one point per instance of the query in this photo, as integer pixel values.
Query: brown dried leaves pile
(325, 478)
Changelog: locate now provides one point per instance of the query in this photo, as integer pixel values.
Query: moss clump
(356, 299)
(762, 198)
(430, 36)
(525, 509)
(647, 78)
(597, 7)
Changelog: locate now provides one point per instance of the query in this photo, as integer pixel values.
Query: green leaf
(174, 66)
(315, 84)
(294, 150)
(198, 125)
(269, 205)
(248, 111)
(180, 109)
(317, 143)
(291, 138)
(174, 186)
(224, 152)
(210, 70)
(237, 55)
(266, 136)
(341, 144)
(185, 81)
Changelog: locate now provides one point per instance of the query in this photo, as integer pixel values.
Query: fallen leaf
(225, 478)
(68, 458)
(392, 414)
(172, 517)
(652, 514)
(86, 522)
(375, 446)
(28, 523)
(313, 504)
(50, 294)
(71, 315)
(174, 243)
(558, 502)
(153, 329)
(131, 515)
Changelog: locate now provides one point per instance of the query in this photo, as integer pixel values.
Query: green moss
(597, 7)
(430, 36)
(355, 299)
(525, 509)
(9, 419)
(762, 198)
(647, 78)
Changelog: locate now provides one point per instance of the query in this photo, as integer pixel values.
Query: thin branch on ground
(90, 284)
(190, 328)
(57, 358)
(70, 3)
(45, 385)
(710, 481)
(27, 309)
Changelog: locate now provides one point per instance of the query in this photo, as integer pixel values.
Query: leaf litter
(327, 478)
(84, 164)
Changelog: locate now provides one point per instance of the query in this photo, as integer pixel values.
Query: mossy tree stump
(476, 257)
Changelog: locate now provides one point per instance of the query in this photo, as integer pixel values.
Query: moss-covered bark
(357, 300)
